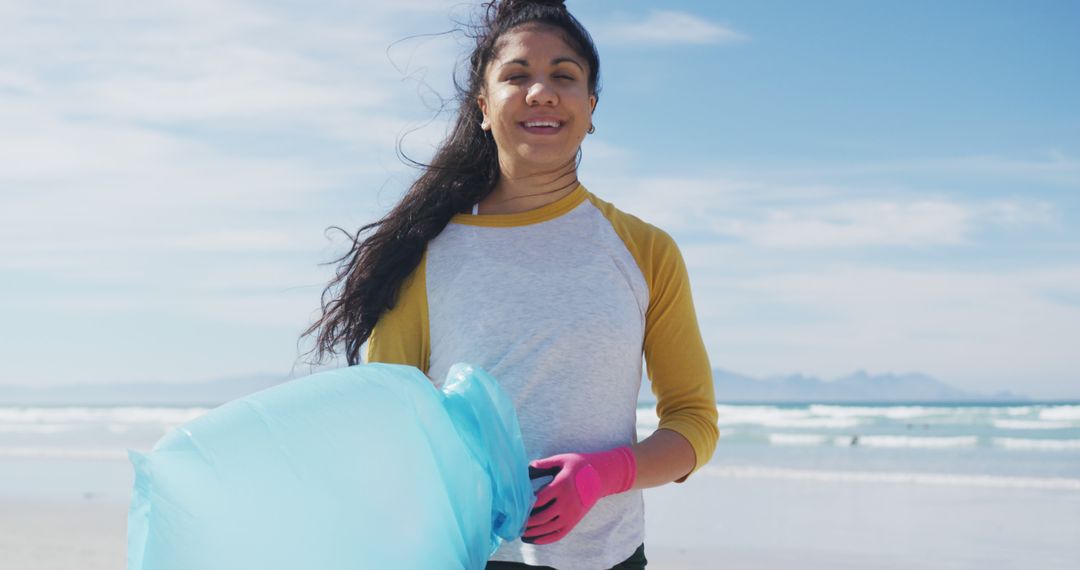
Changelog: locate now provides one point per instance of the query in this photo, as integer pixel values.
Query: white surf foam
(125, 414)
(62, 453)
(1031, 424)
(37, 428)
(760, 415)
(753, 472)
(1060, 413)
(886, 441)
(1037, 444)
(797, 439)
(646, 417)
(838, 423)
(771, 416)
(891, 412)
(896, 441)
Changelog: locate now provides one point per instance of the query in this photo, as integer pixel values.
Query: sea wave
(1031, 424)
(996, 481)
(117, 415)
(887, 441)
(731, 415)
(646, 417)
(62, 453)
(1037, 444)
(771, 416)
(766, 416)
(798, 439)
(893, 441)
(838, 423)
(891, 412)
(47, 429)
(1060, 413)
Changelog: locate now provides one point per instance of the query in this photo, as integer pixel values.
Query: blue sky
(885, 187)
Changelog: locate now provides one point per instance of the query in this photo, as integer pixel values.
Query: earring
(592, 129)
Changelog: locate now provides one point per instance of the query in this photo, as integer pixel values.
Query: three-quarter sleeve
(675, 356)
(402, 334)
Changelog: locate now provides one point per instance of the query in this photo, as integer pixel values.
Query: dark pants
(636, 561)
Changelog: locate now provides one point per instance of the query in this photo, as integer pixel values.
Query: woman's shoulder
(632, 228)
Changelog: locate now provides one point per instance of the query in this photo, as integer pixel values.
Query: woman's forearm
(662, 458)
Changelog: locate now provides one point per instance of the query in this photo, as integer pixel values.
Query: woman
(498, 256)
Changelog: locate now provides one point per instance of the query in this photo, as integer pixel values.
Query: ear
(592, 103)
(481, 102)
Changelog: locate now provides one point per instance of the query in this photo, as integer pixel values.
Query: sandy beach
(714, 521)
(91, 536)
(87, 535)
(768, 523)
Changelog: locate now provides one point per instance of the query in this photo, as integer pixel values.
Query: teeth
(542, 124)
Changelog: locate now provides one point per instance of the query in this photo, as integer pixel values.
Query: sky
(887, 187)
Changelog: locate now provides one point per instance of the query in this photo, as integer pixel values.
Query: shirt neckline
(528, 217)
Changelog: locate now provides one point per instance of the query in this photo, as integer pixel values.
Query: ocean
(1021, 444)
(994, 444)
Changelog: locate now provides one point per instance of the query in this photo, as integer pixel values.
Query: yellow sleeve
(402, 335)
(675, 357)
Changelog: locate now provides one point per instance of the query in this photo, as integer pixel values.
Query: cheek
(498, 98)
(497, 112)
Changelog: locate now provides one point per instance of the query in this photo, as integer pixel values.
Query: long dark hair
(463, 172)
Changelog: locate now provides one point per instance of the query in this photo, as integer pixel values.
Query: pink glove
(580, 480)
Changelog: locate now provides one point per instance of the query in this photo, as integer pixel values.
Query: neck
(523, 192)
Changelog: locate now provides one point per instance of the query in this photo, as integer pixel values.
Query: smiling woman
(537, 103)
(498, 256)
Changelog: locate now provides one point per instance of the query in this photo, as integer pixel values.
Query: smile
(542, 126)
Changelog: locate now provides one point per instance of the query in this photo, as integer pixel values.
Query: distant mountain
(858, 387)
(730, 388)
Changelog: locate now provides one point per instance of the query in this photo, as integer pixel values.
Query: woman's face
(536, 101)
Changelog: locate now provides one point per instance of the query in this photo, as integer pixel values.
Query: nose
(540, 93)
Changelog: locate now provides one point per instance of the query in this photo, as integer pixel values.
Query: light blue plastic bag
(368, 466)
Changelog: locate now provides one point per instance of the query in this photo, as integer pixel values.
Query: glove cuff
(617, 469)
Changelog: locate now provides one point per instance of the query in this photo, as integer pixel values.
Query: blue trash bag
(369, 466)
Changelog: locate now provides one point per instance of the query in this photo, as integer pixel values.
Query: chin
(545, 160)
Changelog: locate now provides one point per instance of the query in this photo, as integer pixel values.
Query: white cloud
(1055, 168)
(809, 215)
(669, 27)
(1019, 213)
(170, 167)
(983, 331)
(132, 132)
(856, 224)
(914, 222)
(672, 203)
(239, 241)
(230, 65)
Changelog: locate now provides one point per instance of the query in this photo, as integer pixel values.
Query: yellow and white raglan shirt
(559, 304)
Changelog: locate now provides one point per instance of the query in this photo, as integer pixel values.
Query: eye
(565, 76)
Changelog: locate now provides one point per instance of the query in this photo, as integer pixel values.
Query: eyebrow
(555, 61)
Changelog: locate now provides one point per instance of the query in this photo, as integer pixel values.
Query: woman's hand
(581, 479)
